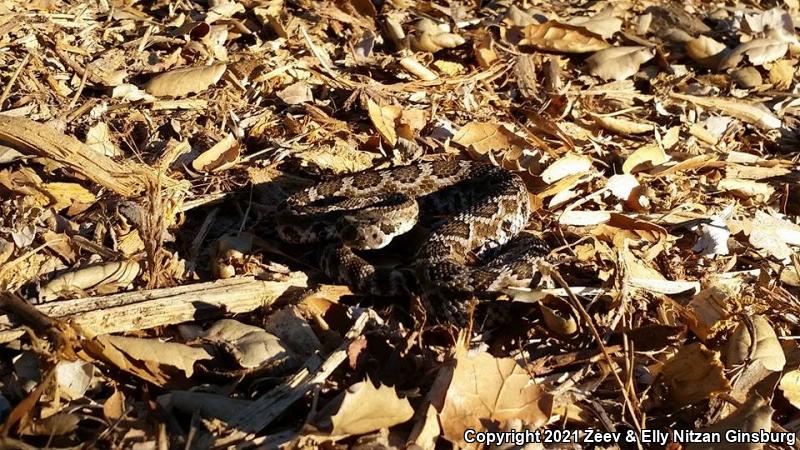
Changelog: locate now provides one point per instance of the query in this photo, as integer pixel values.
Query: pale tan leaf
(383, 119)
(618, 63)
(751, 113)
(747, 188)
(706, 51)
(296, 93)
(220, 156)
(758, 51)
(73, 378)
(98, 138)
(623, 127)
(644, 158)
(781, 74)
(763, 347)
(790, 385)
(605, 27)
(485, 390)
(365, 408)
(250, 346)
(109, 277)
(584, 218)
(152, 352)
(571, 164)
(483, 138)
(114, 406)
(754, 416)
(774, 235)
(560, 37)
(695, 373)
(181, 82)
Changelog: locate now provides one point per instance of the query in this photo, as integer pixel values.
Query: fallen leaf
(98, 138)
(485, 138)
(706, 52)
(145, 357)
(774, 235)
(220, 156)
(605, 27)
(363, 408)
(754, 416)
(559, 37)
(571, 164)
(751, 113)
(182, 82)
(383, 119)
(618, 63)
(109, 277)
(485, 390)
(623, 127)
(296, 93)
(757, 343)
(73, 378)
(250, 346)
(790, 385)
(758, 51)
(693, 374)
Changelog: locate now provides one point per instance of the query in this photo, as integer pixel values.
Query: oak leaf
(486, 389)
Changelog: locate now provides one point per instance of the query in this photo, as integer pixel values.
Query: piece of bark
(34, 138)
(150, 308)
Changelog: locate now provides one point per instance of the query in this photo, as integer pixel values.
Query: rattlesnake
(476, 249)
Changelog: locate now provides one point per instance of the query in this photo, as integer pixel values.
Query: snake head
(364, 232)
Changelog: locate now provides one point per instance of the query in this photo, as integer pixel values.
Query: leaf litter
(145, 301)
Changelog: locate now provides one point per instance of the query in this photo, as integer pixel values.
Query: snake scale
(477, 248)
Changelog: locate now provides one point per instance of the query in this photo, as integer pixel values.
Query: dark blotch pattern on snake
(476, 249)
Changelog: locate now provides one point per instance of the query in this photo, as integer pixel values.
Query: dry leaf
(774, 234)
(754, 416)
(296, 93)
(750, 113)
(485, 390)
(383, 119)
(706, 51)
(622, 126)
(781, 74)
(559, 37)
(758, 51)
(618, 63)
(485, 138)
(145, 357)
(181, 82)
(114, 406)
(605, 27)
(106, 278)
(250, 346)
(220, 156)
(790, 385)
(73, 378)
(98, 138)
(695, 373)
(363, 408)
(759, 343)
(571, 164)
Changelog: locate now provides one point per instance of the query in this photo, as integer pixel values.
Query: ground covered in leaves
(146, 302)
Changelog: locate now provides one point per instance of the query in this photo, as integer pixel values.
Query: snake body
(476, 249)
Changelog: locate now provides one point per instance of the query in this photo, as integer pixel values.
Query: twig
(10, 84)
(629, 403)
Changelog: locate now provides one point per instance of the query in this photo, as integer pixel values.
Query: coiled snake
(476, 249)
